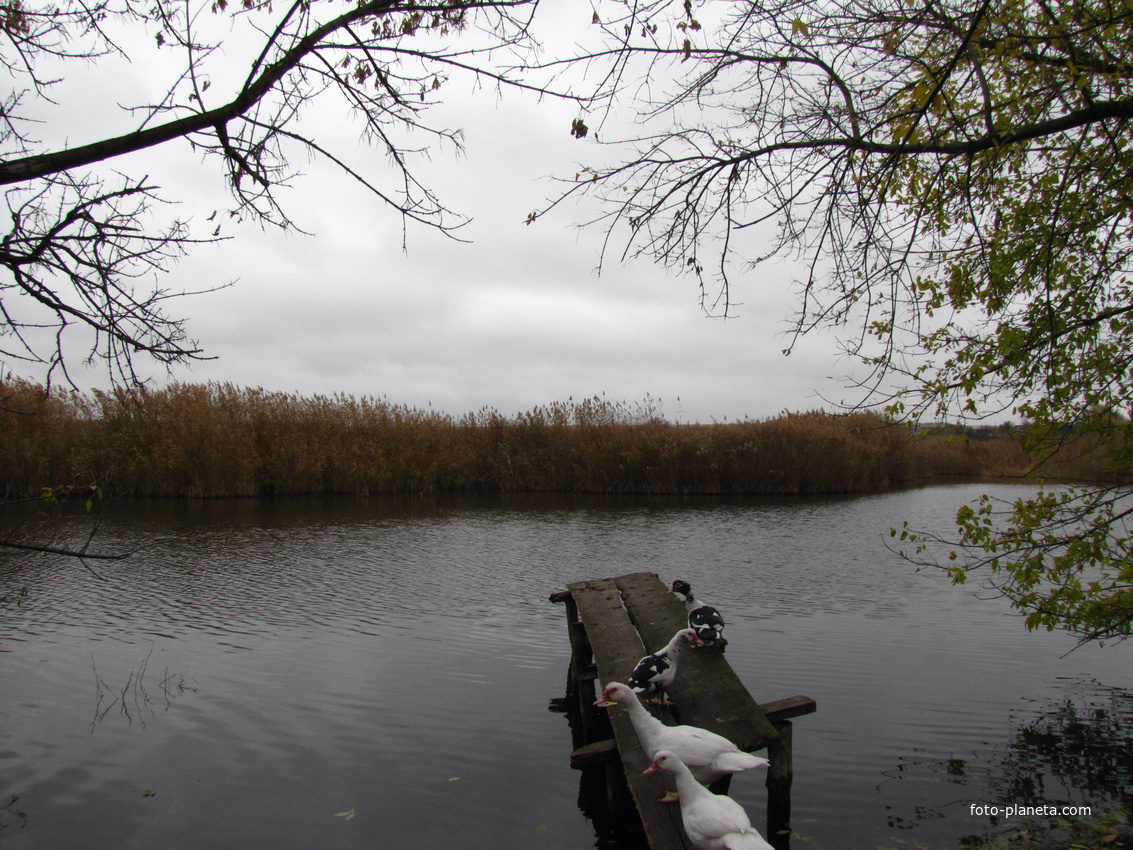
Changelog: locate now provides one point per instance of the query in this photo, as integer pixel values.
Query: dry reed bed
(216, 440)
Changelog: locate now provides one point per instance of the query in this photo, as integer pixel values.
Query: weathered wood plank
(617, 647)
(609, 631)
(595, 751)
(785, 709)
(707, 691)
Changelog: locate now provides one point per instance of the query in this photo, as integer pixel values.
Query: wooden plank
(596, 751)
(617, 647)
(612, 637)
(707, 691)
(785, 709)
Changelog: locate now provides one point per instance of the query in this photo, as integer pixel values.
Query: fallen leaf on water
(348, 815)
(454, 779)
(148, 793)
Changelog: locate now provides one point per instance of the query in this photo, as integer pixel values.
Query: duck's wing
(649, 671)
(704, 744)
(706, 615)
(750, 840)
(714, 816)
(734, 762)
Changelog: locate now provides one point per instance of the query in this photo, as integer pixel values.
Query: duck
(654, 673)
(707, 755)
(712, 821)
(704, 619)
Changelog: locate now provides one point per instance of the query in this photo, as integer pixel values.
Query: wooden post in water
(779, 777)
(579, 692)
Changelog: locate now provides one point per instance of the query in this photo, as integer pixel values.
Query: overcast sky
(519, 317)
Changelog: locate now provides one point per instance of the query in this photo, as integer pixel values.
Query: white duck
(707, 755)
(712, 821)
(704, 619)
(654, 673)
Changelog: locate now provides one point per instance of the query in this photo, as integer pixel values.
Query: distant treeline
(216, 440)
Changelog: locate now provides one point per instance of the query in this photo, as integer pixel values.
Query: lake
(377, 673)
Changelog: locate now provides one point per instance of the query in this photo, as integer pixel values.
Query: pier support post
(579, 692)
(779, 777)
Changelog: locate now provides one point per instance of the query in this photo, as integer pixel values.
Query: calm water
(376, 674)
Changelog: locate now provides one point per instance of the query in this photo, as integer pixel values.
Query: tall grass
(213, 440)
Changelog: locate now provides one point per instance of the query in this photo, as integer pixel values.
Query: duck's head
(688, 636)
(614, 691)
(681, 586)
(664, 760)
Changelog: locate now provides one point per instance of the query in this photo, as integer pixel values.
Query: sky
(516, 317)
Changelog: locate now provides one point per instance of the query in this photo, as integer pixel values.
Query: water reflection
(1071, 749)
(11, 815)
(139, 698)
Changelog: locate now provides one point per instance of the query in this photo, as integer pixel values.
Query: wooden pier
(611, 624)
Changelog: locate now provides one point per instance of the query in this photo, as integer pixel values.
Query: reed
(46, 440)
(220, 440)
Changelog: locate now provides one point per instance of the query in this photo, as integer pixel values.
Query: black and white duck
(704, 619)
(654, 673)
